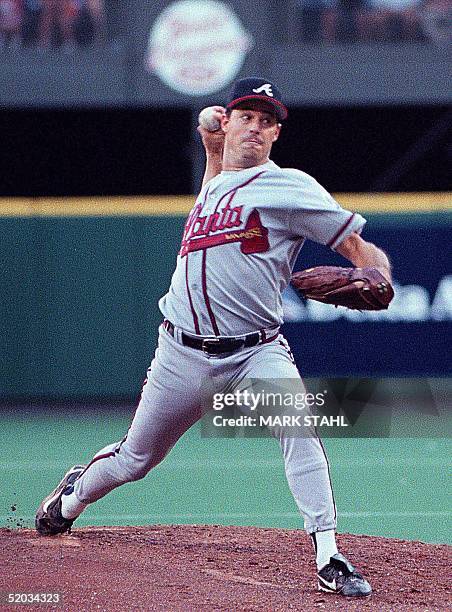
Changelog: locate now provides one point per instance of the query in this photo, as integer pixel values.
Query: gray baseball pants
(172, 401)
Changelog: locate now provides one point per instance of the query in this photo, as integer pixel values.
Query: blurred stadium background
(99, 162)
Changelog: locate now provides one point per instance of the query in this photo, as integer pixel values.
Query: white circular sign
(197, 46)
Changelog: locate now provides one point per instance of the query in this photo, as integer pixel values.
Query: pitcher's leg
(305, 461)
(162, 417)
(307, 473)
(169, 405)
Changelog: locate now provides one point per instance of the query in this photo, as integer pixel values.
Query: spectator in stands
(334, 20)
(313, 19)
(351, 20)
(436, 21)
(88, 24)
(32, 10)
(10, 22)
(68, 22)
(56, 23)
(396, 20)
(97, 9)
(374, 20)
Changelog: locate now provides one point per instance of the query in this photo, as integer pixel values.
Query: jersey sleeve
(315, 214)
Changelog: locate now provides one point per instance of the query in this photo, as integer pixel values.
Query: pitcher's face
(250, 133)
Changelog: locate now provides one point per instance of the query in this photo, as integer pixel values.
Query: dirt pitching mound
(214, 568)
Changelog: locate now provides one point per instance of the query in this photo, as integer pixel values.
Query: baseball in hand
(209, 118)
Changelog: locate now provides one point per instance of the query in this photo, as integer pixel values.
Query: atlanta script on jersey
(240, 243)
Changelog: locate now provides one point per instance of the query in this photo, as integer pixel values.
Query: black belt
(221, 344)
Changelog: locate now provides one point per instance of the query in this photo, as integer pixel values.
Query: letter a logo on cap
(267, 88)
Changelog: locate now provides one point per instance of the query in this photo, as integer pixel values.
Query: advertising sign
(197, 47)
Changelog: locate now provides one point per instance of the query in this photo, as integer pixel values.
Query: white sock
(71, 507)
(325, 546)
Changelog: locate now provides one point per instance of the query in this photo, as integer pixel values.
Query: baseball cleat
(49, 520)
(339, 576)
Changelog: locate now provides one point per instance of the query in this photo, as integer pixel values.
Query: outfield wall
(81, 280)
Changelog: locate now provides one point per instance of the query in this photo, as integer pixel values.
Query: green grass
(388, 487)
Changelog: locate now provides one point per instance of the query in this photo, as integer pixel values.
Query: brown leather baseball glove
(355, 288)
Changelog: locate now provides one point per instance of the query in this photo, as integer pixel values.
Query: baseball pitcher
(223, 311)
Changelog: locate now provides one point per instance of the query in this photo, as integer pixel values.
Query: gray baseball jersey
(239, 246)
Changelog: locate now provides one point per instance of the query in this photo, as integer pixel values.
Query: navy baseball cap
(256, 88)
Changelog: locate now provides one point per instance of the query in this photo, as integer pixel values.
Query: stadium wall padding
(79, 312)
